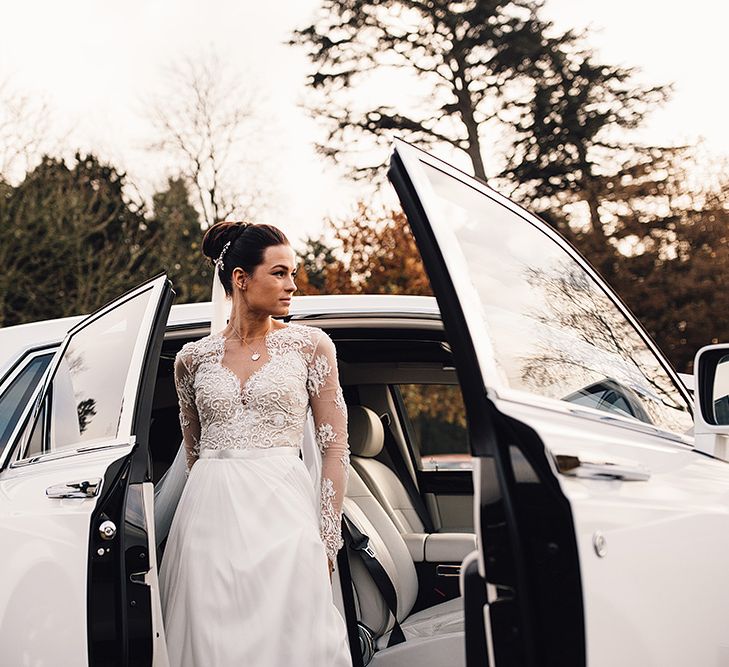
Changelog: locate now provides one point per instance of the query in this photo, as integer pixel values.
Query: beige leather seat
(366, 439)
(434, 636)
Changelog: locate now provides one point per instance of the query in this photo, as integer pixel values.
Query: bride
(244, 575)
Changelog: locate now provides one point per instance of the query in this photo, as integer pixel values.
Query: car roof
(16, 339)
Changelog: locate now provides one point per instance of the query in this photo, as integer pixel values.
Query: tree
(24, 131)
(471, 61)
(69, 240)
(572, 141)
(206, 122)
(316, 256)
(675, 281)
(178, 251)
(376, 254)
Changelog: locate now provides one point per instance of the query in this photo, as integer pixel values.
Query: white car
(529, 484)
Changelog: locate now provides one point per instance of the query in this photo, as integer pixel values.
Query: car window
(553, 328)
(15, 398)
(84, 403)
(438, 425)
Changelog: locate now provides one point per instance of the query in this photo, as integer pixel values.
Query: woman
(244, 574)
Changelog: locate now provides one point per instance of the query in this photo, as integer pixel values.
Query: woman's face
(269, 288)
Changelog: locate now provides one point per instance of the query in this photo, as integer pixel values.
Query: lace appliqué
(185, 392)
(330, 521)
(185, 423)
(318, 373)
(339, 400)
(324, 435)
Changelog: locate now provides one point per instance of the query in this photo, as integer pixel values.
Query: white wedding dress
(244, 577)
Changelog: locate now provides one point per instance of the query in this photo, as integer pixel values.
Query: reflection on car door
(75, 504)
(590, 513)
(519, 508)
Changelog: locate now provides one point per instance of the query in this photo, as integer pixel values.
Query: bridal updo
(248, 243)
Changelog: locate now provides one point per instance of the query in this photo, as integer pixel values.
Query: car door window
(438, 425)
(84, 403)
(15, 398)
(553, 328)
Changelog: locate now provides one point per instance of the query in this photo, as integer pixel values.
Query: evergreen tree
(471, 61)
(69, 240)
(178, 251)
(572, 144)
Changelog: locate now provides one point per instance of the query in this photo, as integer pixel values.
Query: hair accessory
(219, 261)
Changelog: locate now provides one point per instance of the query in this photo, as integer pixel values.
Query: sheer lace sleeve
(330, 422)
(189, 419)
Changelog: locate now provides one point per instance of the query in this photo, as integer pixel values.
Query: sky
(98, 64)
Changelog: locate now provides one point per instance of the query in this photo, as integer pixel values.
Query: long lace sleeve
(330, 421)
(189, 419)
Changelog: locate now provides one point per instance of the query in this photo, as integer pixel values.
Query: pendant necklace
(256, 355)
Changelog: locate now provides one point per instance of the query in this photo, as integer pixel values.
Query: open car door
(78, 549)
(524, 600)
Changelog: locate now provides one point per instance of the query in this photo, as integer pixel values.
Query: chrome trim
(107, 530)
(83, 488)
(22, 423)
(53, 456)
(574, 466)
(21, 360)
(557, 406)
(448, 570)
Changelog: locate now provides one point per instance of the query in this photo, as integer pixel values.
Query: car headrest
(366, 434)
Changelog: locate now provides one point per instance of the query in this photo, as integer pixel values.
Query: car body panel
(43, 560)
(652, 540)
(663, 542)
(516, 496)
(46, 540)
(15, 340)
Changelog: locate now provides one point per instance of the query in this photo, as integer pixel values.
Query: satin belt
(248, 452)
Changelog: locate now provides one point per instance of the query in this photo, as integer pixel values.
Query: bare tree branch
(206, 121)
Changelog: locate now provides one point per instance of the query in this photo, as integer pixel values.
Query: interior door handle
(574, 466)
(84, 488)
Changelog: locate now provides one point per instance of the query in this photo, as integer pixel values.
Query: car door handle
(574, 466)
(84, 488)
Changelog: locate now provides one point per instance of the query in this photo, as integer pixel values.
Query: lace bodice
(220, 410)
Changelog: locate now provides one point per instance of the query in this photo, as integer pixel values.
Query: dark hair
(248, 243)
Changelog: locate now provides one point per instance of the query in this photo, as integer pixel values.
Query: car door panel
(44, 557)
(515, 519)
(639, 541)
(645, 511)
(91, 612)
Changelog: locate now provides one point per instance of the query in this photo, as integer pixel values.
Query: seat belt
(360, 543)
(350, 612)
(403, 473)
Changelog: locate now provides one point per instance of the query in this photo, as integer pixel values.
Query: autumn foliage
(376, 254)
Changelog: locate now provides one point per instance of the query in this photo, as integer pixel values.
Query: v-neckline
(243, 385)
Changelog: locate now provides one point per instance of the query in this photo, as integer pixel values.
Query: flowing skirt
(244, 577)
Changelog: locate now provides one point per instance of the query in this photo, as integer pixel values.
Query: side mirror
(711, 400)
